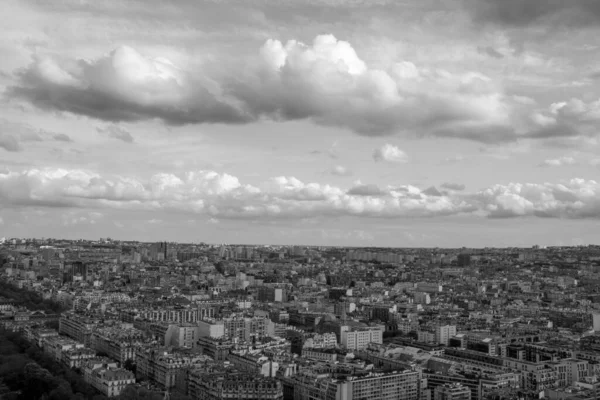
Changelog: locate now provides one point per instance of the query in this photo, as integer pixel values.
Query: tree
(130, 365)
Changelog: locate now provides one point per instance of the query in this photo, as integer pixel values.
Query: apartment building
(106, 377)
(360, 338)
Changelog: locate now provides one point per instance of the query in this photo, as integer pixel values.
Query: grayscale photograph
(299, 199)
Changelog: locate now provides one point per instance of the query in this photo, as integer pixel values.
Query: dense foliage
(30, 374)
(26, 298)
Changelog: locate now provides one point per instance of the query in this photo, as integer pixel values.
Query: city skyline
(334, 123)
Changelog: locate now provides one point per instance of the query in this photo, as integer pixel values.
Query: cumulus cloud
(328, 82)
(222, 196)
(340, 170)
(116, 132)
(389, 153)
(453, 186)
(124, 86)
(576, 198)
(325, 81)
(520, 13)
(558, 162)
(570, 119)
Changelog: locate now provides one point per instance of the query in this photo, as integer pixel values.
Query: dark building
(73, 269)
(464, 260)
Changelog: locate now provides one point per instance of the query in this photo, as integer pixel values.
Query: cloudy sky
(355, 122)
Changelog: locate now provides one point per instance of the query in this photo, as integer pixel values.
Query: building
(443, 333)
(464, 260)
(596, 322)
(454, 391)
(77, 326)
(272, 294)
(118, 344)
(316, 385)
(56, 345)
(76, 357)
(231, 385)
(162, 366)
(107, 378)
(217, 349)
(359, 339)
(213, 329)
(182, 335)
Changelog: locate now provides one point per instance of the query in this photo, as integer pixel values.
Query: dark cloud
(432, 191)
(116, 132)
(526, 12)
(453, 186)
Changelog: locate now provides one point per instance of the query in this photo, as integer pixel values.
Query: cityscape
(206, 321)
(300, 199)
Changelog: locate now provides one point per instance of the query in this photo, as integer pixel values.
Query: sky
(401, 123)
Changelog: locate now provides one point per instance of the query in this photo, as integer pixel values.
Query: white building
(360, 339)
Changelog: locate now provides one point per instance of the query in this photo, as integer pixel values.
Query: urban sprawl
(309, 323)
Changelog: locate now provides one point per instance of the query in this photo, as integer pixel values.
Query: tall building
(443, 333)
(159, 251)
(596, 322)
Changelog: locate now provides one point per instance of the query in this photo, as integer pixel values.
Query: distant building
(443, 333)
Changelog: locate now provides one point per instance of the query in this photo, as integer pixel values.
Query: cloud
(340, 170)
(61, 137)
(576, 198)
(521, 13)
(558, 162)
(325, 82)
(9, 143)
(432, 191)
(366, 190)
(14, 134)
(116, 132)
(79, 218)
(490, 51)
(124, 86)
(222, 196)
(570, 119)
(453, 186)
(389, 153)
(453, 159)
